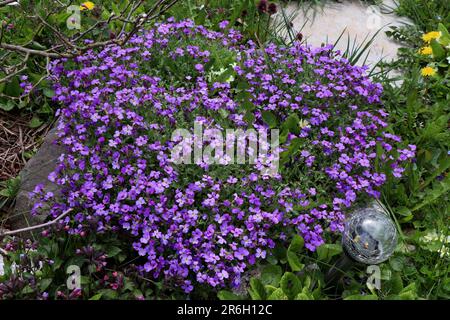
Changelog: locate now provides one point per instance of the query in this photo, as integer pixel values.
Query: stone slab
(324, 23)
(36, 171)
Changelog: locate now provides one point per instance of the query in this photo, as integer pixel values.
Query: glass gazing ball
(369, 236)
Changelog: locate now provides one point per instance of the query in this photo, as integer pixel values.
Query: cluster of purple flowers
(193, 223)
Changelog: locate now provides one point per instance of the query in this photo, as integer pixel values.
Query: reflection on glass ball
(369, 236)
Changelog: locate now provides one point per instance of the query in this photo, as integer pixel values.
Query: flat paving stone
(324, 23)
(36, 171)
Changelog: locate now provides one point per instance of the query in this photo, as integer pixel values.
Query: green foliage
(419, 113)
(9, 190)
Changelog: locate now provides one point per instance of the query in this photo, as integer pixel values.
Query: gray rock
(36, 171)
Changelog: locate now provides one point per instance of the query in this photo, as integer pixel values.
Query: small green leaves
(295, 247)
(7, 106)
(227, 295)
(326, 251)
(269, 118)
(291, 124)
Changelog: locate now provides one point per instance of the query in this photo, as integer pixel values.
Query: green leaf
(394, 285)
(269, 118)
(271, 275)
(45, 283)
(227, 295)
(292, 257)
(290, 284)
(438, 50)
(270, 289)
(249, 117)
(109, 294)
(326, 251)
(13, 88)
(96, 297)
(248, 106)
(49, 93)
(7, 106)
(257, 290)
(113, 251)
(297, 244)
(295, 145)
(242, 85)
(5, 193)
(403, 211)
(407, 295)
(445, 35)
(307, 283)
(303, 296)
(292, 124)
(35, 122)
(278, 295)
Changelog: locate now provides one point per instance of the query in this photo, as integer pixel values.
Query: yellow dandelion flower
(88, 5)
(426, 51)
(427, 37)
(428, 71)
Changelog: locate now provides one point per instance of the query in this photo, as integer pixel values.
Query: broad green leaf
(438, 50)
(49, 93)
(227, 295)
(7, 106)
(269, 118)
(257, 290)
(45, 283)
(35, 122)
(394, 285)
(445, 35)
(302, 296)
(290, 284)
(13, 88)
(278, 295)
(293, 259)
(292, 124)
(113, 251)
(326, 251)
(297, 244)
(271, 275)
(96, 297)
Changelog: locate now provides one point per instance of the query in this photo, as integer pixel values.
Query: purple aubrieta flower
(223, 24)
(208, 223)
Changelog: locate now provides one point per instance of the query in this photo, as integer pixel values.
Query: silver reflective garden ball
(369, 236)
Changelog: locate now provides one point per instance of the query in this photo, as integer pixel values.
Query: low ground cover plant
(205, 225)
